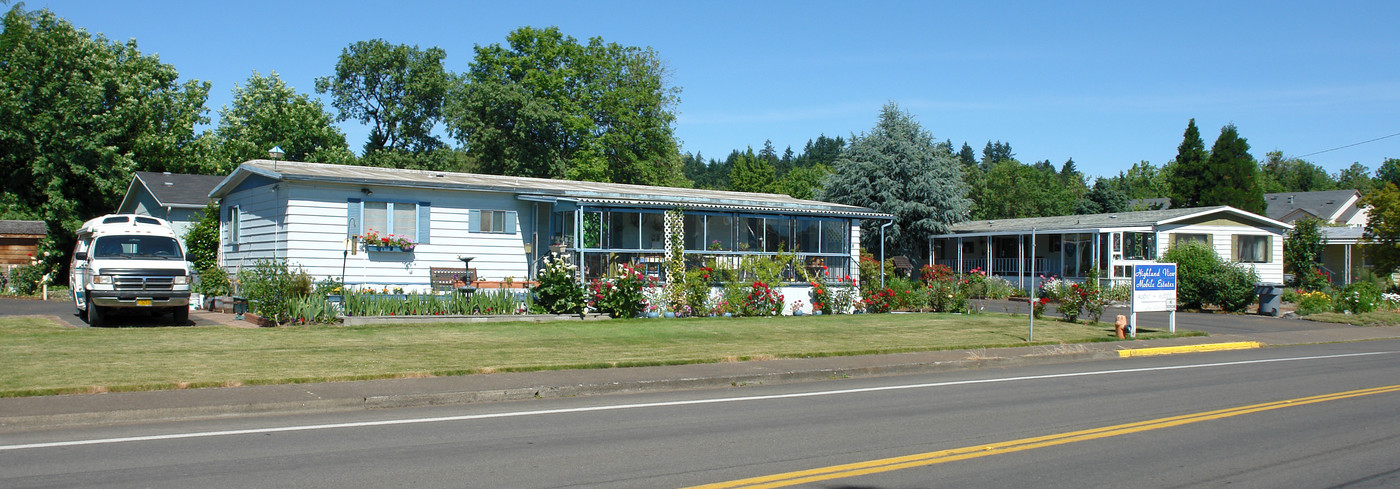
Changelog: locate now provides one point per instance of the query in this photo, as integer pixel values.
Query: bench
(441, 278)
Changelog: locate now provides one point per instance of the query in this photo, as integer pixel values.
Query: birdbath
(468, 289)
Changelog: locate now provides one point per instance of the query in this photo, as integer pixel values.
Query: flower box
(389, 249)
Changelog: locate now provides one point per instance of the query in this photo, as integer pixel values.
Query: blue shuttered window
(491, 221)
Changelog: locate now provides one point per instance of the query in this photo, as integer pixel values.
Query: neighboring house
(1070, 246)
(1335, 207)
(1345, 220)
(175, 197)
(19, 242)
(307, 213)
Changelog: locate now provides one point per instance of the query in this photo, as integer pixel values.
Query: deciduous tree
(79, 114)
(545, 105)
(265, 112)
(398, 90)
(1383, 228)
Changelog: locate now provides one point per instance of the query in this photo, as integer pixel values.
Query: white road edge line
(363, 424)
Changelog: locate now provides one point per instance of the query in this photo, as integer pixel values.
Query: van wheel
(181, 315)
(95, 317)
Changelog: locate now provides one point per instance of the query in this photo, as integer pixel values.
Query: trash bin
(1269, 297)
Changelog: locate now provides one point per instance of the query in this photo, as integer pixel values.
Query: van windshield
(143, 247)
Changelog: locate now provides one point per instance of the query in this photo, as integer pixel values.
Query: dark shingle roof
(24, 227)
(179, 189)
(1322, 204)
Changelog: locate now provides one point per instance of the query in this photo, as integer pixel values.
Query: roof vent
(170, 184)
(1290, 199)
(1113, 216)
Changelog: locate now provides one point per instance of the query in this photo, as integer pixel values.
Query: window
(489, 221)
(235, 230)
(694, 231)
(751, 232)
(777, 234)
(623, 230)
(719, 232)
(1139, 246)
(397, 218)
(807, 237)
(1180, 238)
(653, 231)
(835, 234)
(1251, 249)
(406, 219)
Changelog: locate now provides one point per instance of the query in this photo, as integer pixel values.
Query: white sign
(1154, 287)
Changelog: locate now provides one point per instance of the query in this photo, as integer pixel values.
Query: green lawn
(42, 357)
(1373, 318)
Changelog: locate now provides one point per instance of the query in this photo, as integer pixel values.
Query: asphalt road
(686, 439)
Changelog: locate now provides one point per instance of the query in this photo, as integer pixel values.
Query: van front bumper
(138, 298)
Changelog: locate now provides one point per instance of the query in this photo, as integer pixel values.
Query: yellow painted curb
(1168, 350)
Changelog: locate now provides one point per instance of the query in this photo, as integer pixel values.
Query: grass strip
(41, 357)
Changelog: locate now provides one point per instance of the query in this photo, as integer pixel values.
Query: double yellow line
(964, 453)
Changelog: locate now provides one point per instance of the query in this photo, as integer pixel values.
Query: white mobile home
(1022, 250)
(308, 213)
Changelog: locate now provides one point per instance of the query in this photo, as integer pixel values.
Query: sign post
(1154, 289)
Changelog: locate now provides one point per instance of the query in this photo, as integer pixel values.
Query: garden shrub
(1313, 302)
(213, 281)
(843, 297)
(878, 301)
(697, 291)
(1359, 297)
(271, 287)
(1202, 278)
(622, 296)
(1235, 289)
(1072, 301)
(762, 300)
(24, 280)
(557, 292)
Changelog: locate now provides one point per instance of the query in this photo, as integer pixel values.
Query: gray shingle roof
(1322, 204)
(1093, 221)
(24, 227)
(179, 189)
(540, 187)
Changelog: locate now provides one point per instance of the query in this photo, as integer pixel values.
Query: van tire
(181, 315)
(95, 316)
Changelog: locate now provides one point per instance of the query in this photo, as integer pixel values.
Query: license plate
(143, 302)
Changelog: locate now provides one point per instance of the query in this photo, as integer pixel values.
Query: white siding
(314, 229)
(1221, 241)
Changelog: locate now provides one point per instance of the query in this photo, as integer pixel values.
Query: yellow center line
(975, 451)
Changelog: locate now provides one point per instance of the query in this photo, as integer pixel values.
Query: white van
(129, 261)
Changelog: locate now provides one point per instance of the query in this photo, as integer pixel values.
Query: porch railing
(1007, 266)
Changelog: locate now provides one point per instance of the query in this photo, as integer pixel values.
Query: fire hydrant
(1119, 325)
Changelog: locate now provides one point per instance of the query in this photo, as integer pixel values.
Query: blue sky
(1108, 84)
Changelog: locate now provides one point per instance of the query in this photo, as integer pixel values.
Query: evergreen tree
(1187, 169)
(995, 153)
(967, 157)
(1231, 174)
(898, 169)
(752, 174)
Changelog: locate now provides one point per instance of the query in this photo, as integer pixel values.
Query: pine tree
(1186, 182)
(1231, 176)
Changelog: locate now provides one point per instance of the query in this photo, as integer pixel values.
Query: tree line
(79, 114)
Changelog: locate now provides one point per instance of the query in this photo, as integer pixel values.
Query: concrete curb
(1172, 350)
